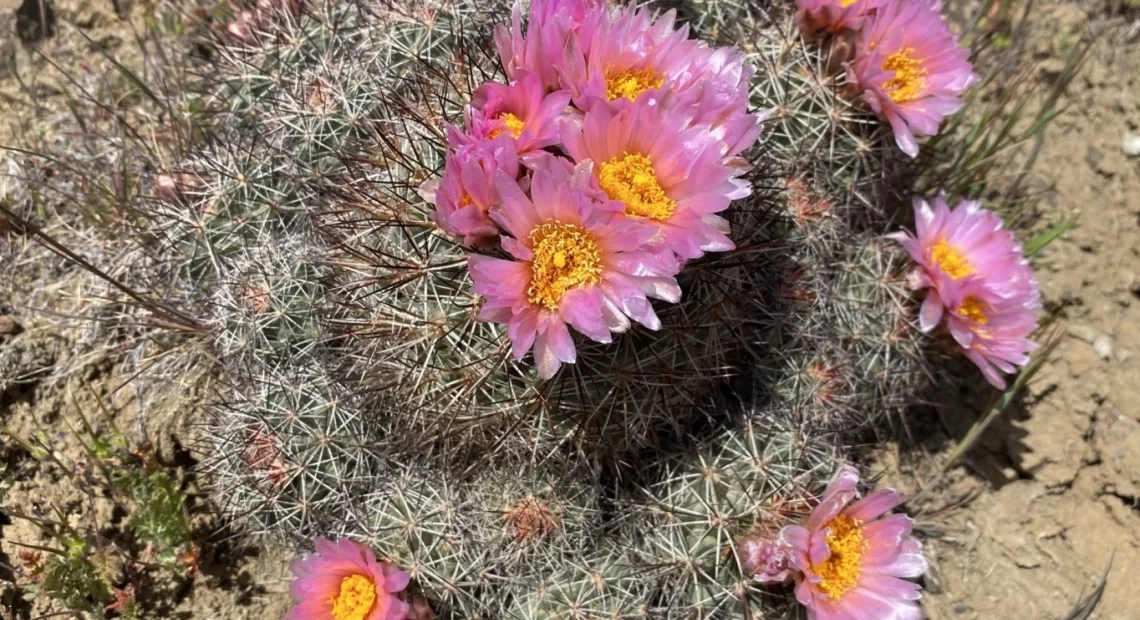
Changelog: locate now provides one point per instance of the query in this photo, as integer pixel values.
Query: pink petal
(840, 492)
(875, 505)
(396, 581)
(931, 313)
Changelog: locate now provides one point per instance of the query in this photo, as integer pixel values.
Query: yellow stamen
(910, 75)
(631, 179)
(972, 308)
(356, 598)
(950, 260)
(565, 257)
(511, 123)
(841, 570)
(631, 83)
(847, 3)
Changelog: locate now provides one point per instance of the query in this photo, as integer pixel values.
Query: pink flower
(834, 15)
(852, 560)
(523, 111)
(465, 193)
(344, 581)
(978, 279)
(573, 262)
(553, 25)
(664, 172)
(992, 331)
(631, 56)
(768, 560)
(911, 70)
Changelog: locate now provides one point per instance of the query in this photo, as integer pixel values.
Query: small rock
(1093, 156)
(1130, 144)
(961, 607)
(1102, 344)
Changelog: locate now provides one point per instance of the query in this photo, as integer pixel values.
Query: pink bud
(172, 187)
(767, 560)
(241, 29)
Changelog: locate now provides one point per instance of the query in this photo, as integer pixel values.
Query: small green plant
(82, 564)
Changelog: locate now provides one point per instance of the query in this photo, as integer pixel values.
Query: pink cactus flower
(664, 172)
(522, 111)
(817, 16)
(768, 560)
(574, 262)
(911, 70)
(852, 560)
(993, 331)
(344, 581)
(630, 56)
(977, 277)
(553, 26)
(466, 192)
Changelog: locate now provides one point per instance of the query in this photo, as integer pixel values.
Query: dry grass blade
(1085, 607)
(165, 316)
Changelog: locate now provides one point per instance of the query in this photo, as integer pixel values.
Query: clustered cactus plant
(364, 399)
(368, 402)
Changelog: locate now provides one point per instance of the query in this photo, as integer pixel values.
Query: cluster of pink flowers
(906, 61)
(595, 173)
(343, 580)
(978, 279)
(847, 559)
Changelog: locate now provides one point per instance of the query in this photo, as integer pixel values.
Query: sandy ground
(1023, 529)
(1059, 479)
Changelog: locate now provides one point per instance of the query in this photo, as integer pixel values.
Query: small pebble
(1102, 344)
(1130, 145)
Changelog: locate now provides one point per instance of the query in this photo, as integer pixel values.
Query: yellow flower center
(910, 75)
(356, 598)
(565, 257)
(511, 123)
(950, 260)
(631, 83)
(847, 3)
(630, 179)
(972, 308)
(840, 571)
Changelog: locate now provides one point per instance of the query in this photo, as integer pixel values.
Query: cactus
(363, 399)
